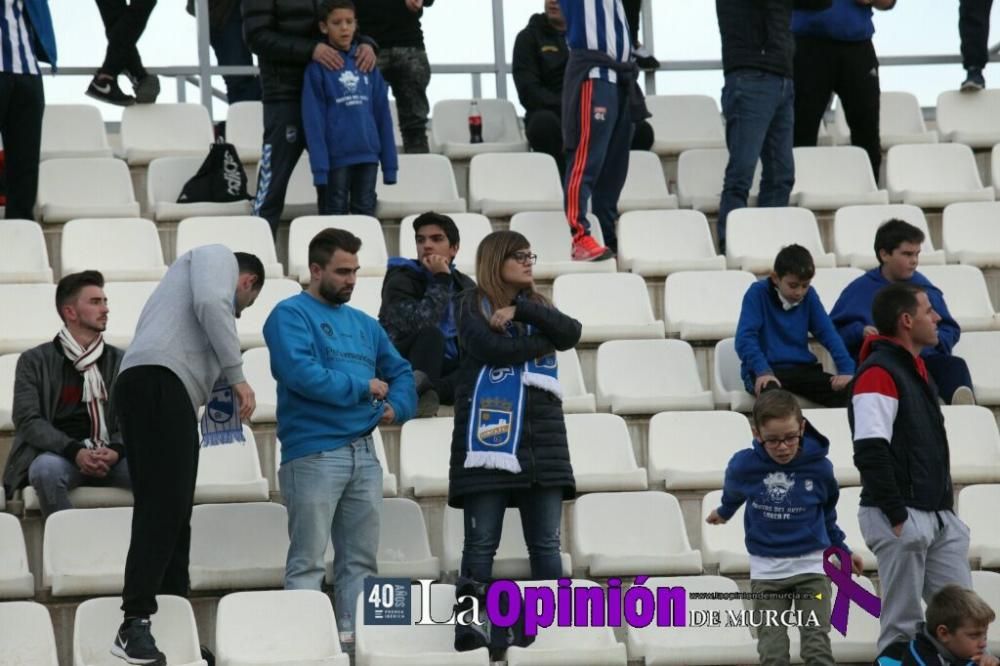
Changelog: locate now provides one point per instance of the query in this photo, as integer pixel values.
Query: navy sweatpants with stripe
(284, 142)
(597, 167)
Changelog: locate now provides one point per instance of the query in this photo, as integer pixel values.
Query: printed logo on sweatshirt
(326, 328)
(349, 80)
(779, 485)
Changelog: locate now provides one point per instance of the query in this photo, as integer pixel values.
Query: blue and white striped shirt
(598, 25)
(16, 53)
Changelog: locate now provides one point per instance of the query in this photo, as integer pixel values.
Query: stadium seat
(388, 478)
(974, 444)
(854, 230)
(976, 507)
(829, 282)
(827, 178)
(630, 534)
(589, 297)
(230, 473)
(425, 182)
(973, 120)
(682, 122)
(301, 196)
(645, 185)
(165, 181)
(727, 383)
(397, 134)
(367, 295)
(472, 228)
(900, 121)
(238, 546)
(649, 376)
(28, 637)
(965, 292)
(832, 423)
(37, 320)
(74, 562)
(122, 249)
(700, 176)
(372, 257)
(73, 131)
(704, 305)
(424, 454)
(23, 255)
(658, 243)
(250, 326)
(149, 131)
(8, 364)
(601, 451)
(83, 497)
(277, 628)
(551, 239)
(403, 547)
(754, 236)
(575, 397)
(859, 646)
(723, 546)
(501, 128)
(173, 625)
(245, 129)
(995, 169)
(979, 349)
(689, 450)
(507, 183)
(240, 233)
(16, 581)
(934, 175)
(125, 301)
(690, 646)
(85, 187)
(987, 585)
(970, 234)
(257, 371)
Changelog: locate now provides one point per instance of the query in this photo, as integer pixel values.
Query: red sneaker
(585, 248)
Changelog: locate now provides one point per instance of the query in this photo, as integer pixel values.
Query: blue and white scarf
(220, 424)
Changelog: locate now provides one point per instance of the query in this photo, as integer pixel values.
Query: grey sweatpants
(931, 552)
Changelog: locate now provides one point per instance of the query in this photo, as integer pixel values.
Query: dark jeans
(424, 350)
(123, 25)
(349, 189)
(284, 141)
(22, 104)
(543, 129)
(759, 111)
(541, 509)
(948, 372)
(231, 50)
(633, 9)
(808, 381)
(161, 442)
(974, 31)
(408, 72)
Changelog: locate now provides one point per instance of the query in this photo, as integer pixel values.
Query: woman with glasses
(509, 444)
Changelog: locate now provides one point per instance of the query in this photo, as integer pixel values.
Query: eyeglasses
(523, 257)
(788, 440)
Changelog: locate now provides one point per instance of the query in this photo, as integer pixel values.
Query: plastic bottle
(475, 123)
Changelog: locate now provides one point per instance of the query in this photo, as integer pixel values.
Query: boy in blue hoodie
(348, 125)
(772, 337)
(791, 497)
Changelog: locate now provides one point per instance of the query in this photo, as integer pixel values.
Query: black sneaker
(134, 643)
(107, 90)
(974, 81)
(645, 59)
(147, 88)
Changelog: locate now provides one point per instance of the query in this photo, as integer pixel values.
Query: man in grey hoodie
(185, 344)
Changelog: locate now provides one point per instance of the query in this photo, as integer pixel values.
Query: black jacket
(538, 65)
(412, 300)
(543, 452)
(757, 34)
(390, 23)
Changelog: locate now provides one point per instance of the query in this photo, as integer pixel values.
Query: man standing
(124, 22)
(65, 428)
(974, 31)
(185, 354)
(338, 377)
(901, 450)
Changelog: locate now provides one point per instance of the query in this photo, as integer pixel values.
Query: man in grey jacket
(185, 354)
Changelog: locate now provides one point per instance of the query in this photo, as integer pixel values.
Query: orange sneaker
(585, 248)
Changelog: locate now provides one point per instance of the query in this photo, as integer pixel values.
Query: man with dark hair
(338, 378)
(185, 355)
(65, 427)
(901, 449)
(418, 309)
(897, 247)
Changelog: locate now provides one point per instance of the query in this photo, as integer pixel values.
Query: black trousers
(124, 22)
(161, 444)
(425, 351)
(850, 69)
(812, 383)
(284, 141)
(22, 104)
(974, 32)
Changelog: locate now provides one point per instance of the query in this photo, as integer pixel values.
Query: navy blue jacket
(44, 43)
(844, 21)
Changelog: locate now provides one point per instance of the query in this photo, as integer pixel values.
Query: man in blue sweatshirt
(897, 246)
(339, 376)
(772, 337)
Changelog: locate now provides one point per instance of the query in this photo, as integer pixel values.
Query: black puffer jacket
(757, 34)
(539, 65)
(543, 452)
(283, 34)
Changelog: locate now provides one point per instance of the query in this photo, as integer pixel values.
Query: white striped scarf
(95, 394)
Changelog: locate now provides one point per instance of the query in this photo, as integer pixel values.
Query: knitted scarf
(95, 394)
(220, 423)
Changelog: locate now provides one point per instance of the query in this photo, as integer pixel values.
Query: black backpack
(221, 178)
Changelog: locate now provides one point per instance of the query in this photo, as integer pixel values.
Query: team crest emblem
(221, 409)
(494, 423)
(349, 80)
(808, 485)
(327, 329)
(778, 485)
(548, 361)
(600, 113)
(291, 133)
(497, 375)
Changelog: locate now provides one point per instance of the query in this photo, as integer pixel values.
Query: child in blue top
(347, 122)
(772, 337)
(790, 518)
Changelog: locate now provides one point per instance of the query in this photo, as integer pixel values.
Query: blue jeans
(541, 510)
(350, 189)
(333, 494)
(760, 120)
(53, 476)
(231, 50)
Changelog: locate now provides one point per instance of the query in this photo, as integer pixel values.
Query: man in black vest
(901, 450)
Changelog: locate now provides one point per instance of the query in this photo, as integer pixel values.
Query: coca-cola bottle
(475, 123)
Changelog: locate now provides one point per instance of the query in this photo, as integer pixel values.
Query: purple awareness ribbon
(847, 590)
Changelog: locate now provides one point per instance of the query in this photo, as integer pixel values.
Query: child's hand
(870, 330)
(857, 564)
(715, 519)
(986, 660)
(840, 382)
(763, 381)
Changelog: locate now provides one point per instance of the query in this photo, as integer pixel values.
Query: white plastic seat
(977, 509)
(238, 546)
(23, 255)
(987, 585)
(149, 131)
(245, 129)
(575, 398)
(723, 546)
(828, 178)
(300, 196)
(37, 320)
(974, 444)
(859, 645)
(27, 637)
(250, 325)
(635, 533)
(610, 306)
(396, 133)
(970, 234)
(425, 182)
(122, 249)
(601, 452)
(847, 520)
(230, 473)
(86, 187)
(83, 497)
(166, 179)
(8, 366)
(257, 371)
(979, 349)
(727, 383)
(16, 580)
(973, 120)
(424, 455)
(832, 423)
(658, 243)
(934, 175)
(551, 239)
(689, 450)
(73, 131)
(472, 228)
(501, 128)
(126, 301)
(854, 230)
(367, 295)
(700, 176)
(240, 233)
(681, 122)
(76, 563)
(173, 625)
(704, 305)
(900, 121)
(645, 185)
(965, 292)
(403, 547)
(506, 183)
(830, 282)
(372, 257)
(995, 169)
(649, 376)
(754, 236)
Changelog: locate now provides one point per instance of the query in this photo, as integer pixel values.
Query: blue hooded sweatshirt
(791, 509)
(347, 121)
(844, 21)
